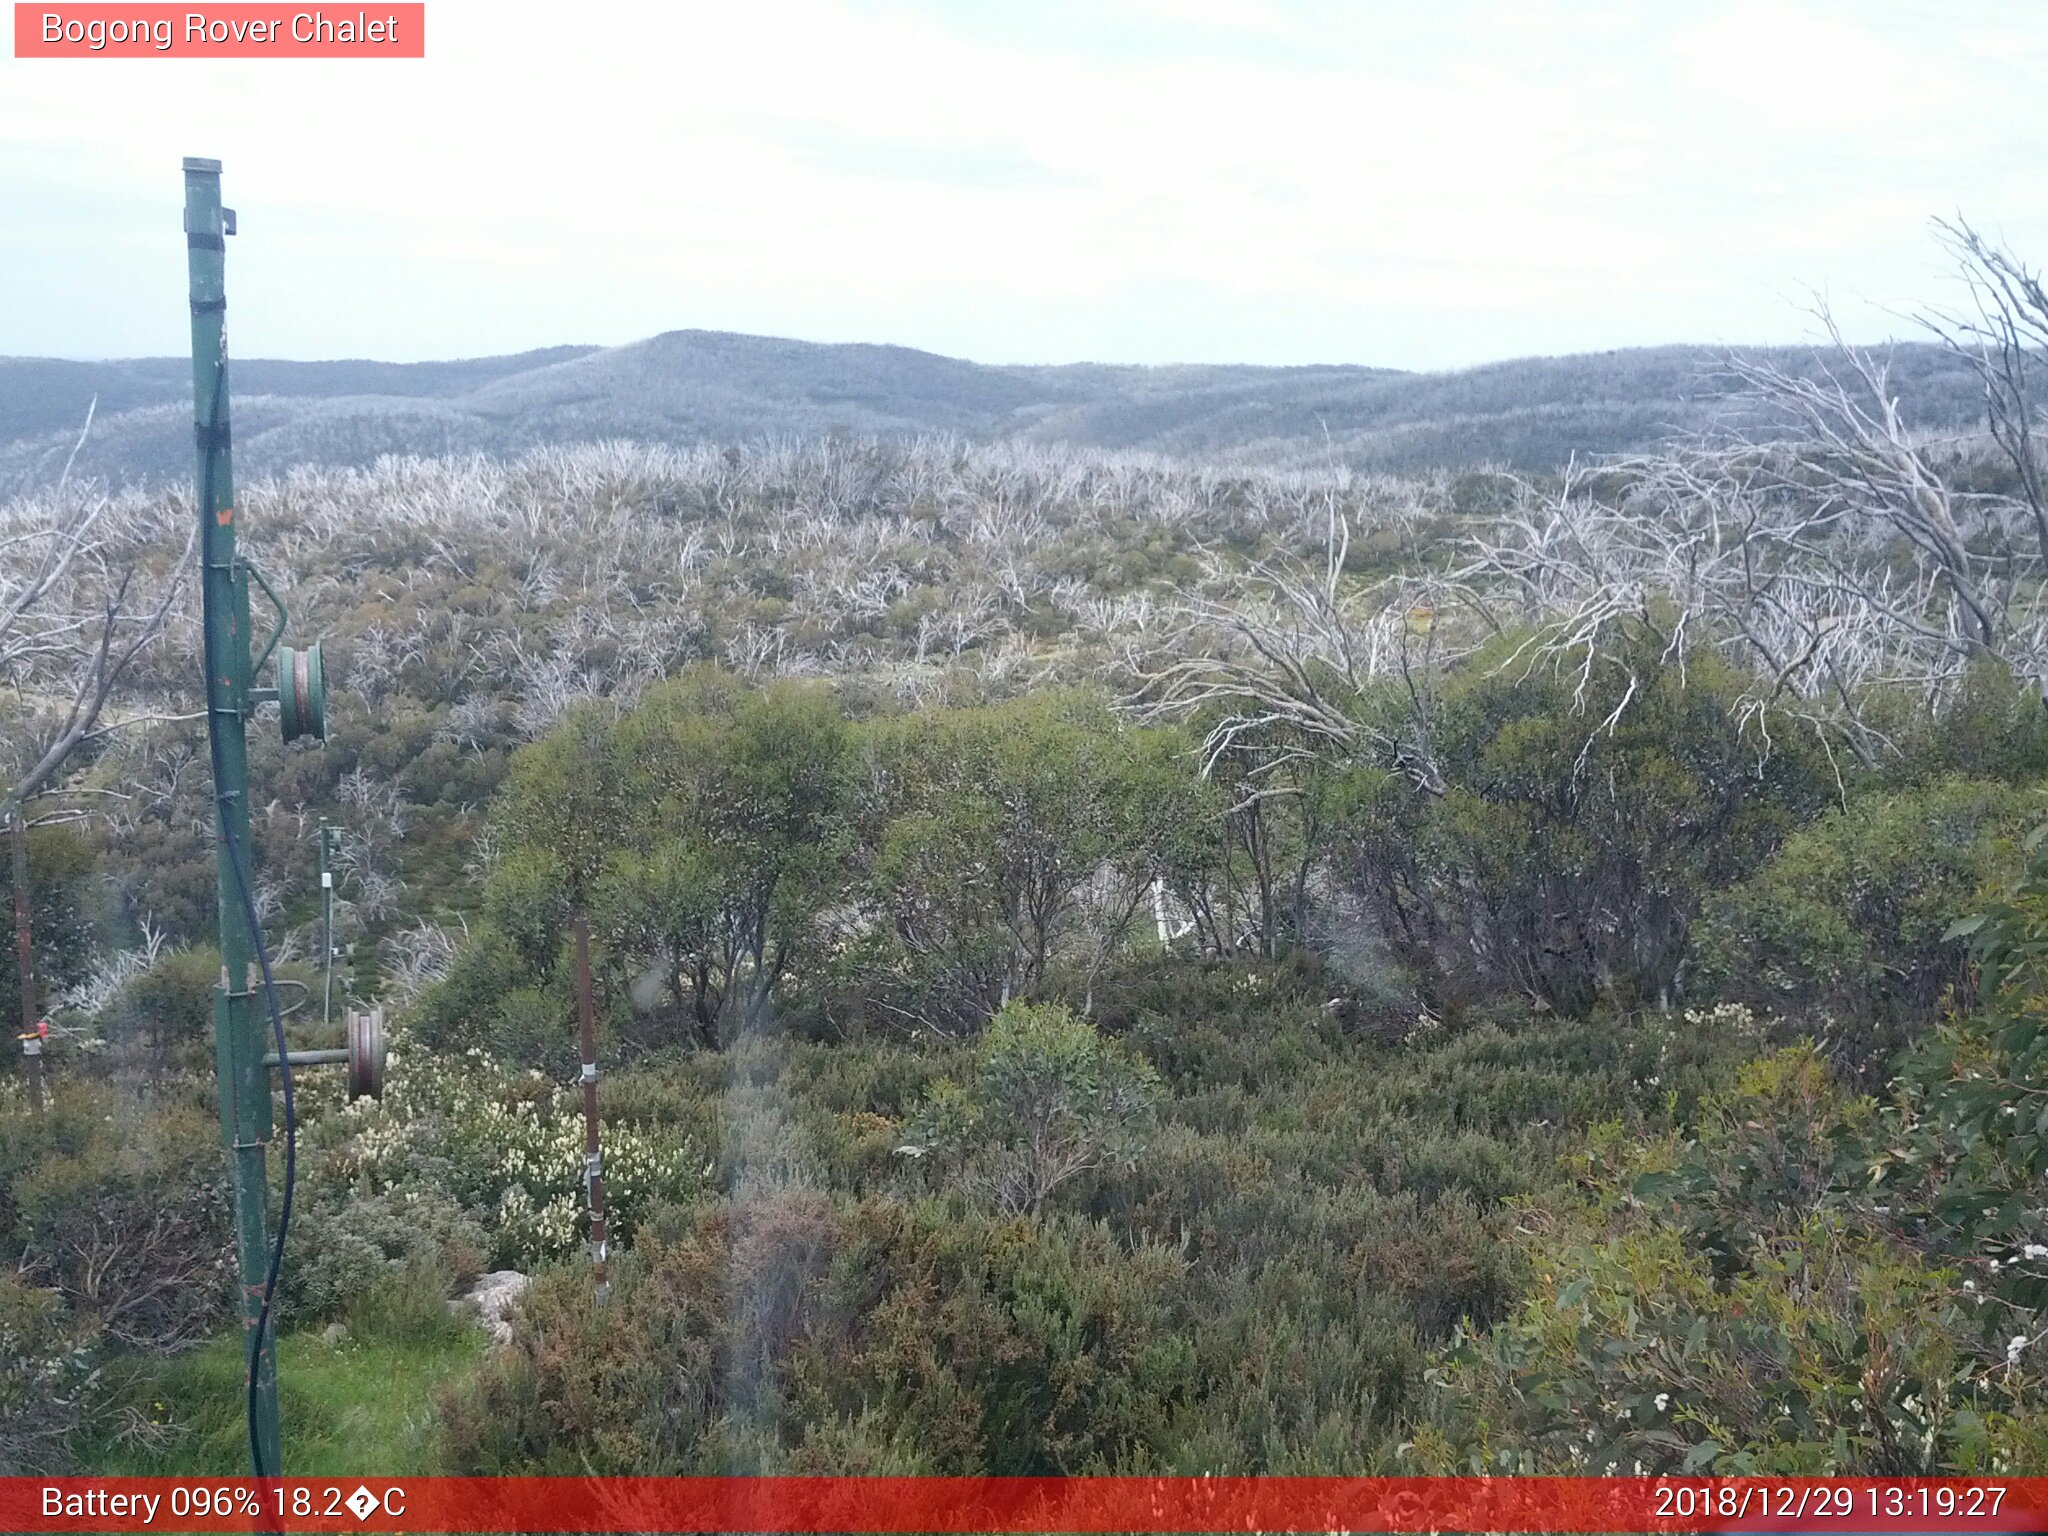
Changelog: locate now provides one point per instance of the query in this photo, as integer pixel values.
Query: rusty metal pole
(25, 961)
(593, 1157)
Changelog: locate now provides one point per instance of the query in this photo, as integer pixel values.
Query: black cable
(237, 861)
(291, 1155)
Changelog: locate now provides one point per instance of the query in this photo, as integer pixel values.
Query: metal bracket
(283, 615)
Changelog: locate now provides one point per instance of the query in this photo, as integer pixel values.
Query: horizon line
(1817, 346)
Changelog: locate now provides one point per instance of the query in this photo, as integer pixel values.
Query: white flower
(2035, 1251)
(2014, 1347)
(1663, 1401)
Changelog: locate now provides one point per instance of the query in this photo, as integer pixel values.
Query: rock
(493, 1297)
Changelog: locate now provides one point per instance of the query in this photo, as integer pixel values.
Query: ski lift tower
(249, 1041)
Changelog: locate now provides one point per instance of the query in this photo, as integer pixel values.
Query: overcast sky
(1390, 182)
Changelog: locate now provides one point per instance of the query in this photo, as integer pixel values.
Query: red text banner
(1087, 1504)
(225, 31)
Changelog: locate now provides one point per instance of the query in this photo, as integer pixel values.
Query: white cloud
(1147, 181)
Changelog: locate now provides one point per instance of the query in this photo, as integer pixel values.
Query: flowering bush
(506, 1146)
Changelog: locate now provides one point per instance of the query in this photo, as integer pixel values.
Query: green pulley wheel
(301, 693)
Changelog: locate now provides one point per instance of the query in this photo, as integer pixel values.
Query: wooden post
(25, 961)
(593, 1157)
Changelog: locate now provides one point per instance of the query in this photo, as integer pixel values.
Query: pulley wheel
(366, 1055)
(301, 693)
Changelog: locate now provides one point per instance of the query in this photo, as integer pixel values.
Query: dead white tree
(83, 591)
(417, 957)
(2004, 336)
(1705, 547)
(1282, 650)
(79, 602)
(1835, 553)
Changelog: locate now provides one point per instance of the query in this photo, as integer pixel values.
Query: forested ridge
(1105, 962)
(697, 387)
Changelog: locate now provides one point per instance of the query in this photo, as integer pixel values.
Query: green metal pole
(239, 1043)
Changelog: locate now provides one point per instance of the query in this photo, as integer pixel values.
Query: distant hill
(710, 386)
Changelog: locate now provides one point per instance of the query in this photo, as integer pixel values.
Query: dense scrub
(1730, 1301)
(1278, 1102)
(1258, 1290)
(113, 1237)
(465, 606)
(1847, 930)
(1100, 966)
(1338, 1185)
(1246, 1272)
(1807, 1281)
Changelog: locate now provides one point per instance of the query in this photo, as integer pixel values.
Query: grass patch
(360, 1407)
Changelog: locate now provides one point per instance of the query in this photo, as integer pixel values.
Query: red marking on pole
(224, 516)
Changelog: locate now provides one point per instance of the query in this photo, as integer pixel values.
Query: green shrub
(505, 1147)
(461, 1010)
(1994, 728)
(125, 1217)
(51, 1387)
(62, 878)
(1963, 1150)
(760, 1336)
(1583, 824)
(1050, 1099)
(1259, 1292)
(739, 795)
(1007, 851)
(408, 1303)
(1712, 1306)
(349, 1236)
(1847, 926)
(168, 1009)
(699, 1308)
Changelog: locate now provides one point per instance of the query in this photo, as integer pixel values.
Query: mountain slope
(710, 386)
